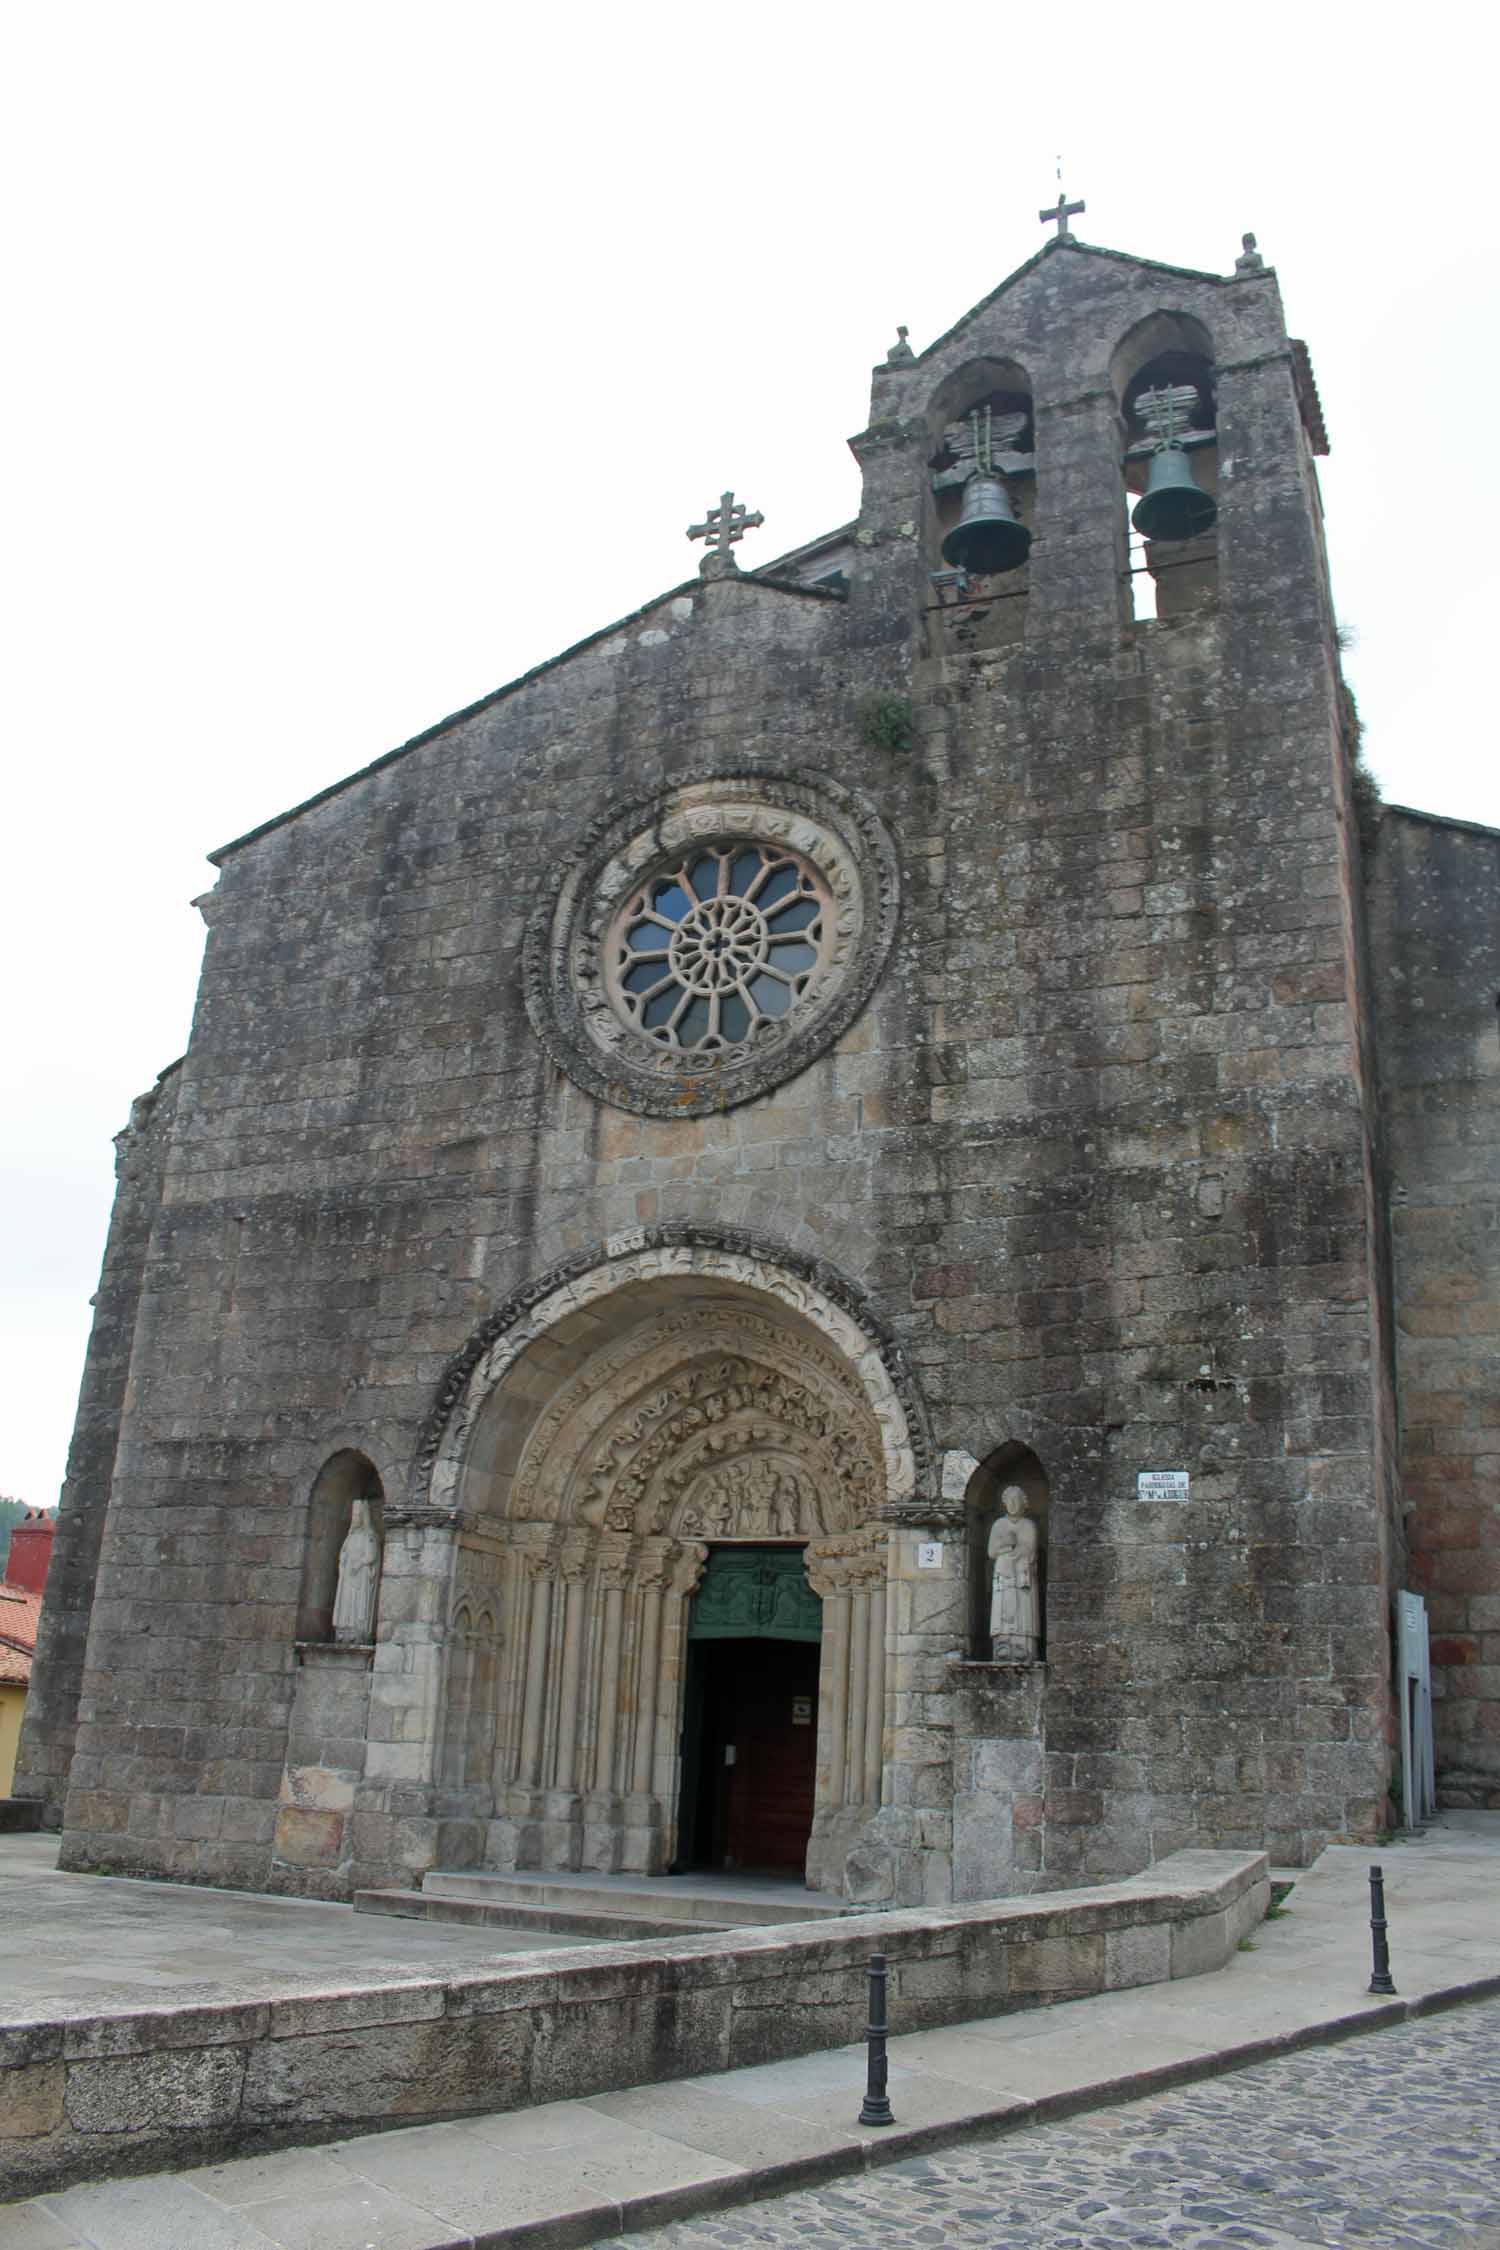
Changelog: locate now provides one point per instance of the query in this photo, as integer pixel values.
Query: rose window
(719, 949)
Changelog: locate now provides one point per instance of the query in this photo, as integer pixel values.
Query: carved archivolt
(842, 1386)
(661, 1425)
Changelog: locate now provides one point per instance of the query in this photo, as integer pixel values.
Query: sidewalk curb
(892, 2144)
(990, 2118)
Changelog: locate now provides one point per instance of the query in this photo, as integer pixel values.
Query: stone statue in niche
(1015, 1596)
(359, 1579)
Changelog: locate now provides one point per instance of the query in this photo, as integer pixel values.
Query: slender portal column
(536, 1671)
(570, 1715)
(611, 1686)
(875, 1696)
(852, 1747)
(833, 1723)
(647, 1684)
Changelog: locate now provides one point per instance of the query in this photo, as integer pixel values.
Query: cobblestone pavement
(1392, 2138)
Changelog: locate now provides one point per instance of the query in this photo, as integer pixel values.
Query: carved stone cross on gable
(1062, 211)
(725, 524)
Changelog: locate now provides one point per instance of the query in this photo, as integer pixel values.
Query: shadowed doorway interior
(750, 1736)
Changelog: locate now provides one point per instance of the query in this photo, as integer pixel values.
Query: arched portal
(606, 1455)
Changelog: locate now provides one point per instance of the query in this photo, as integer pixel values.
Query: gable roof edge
(217, 857)
(1087, 249)
(1442, 820)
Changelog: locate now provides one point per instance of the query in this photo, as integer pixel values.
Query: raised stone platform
(606, 1906)
(85, 2093)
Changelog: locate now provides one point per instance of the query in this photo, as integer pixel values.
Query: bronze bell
(987, 536)
(1174, 505)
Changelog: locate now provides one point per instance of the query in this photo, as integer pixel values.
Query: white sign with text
(1162, 1484)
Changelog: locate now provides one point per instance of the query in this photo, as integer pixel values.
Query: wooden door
(769, 1722)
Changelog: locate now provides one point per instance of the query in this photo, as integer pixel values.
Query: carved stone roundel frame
(568, 994)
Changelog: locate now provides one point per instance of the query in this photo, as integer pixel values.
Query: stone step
(668, 1898)
(512, 1914)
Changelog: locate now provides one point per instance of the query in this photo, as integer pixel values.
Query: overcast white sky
(361, 356)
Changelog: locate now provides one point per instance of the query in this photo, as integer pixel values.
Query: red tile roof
(19, 1612)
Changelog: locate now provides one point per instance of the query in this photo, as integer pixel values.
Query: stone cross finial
(724, 525)
(1062, 211)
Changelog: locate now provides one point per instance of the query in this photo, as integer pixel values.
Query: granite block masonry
(836, 1044)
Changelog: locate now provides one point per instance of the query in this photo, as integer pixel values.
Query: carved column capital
(687, 1570)
(577, 1557)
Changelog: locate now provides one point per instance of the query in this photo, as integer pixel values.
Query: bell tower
(1151, 1153)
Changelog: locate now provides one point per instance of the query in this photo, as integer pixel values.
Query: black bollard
(1380, 1981)
(877, 2108)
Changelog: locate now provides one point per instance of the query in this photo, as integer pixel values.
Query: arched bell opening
(981, 504)
(1010, 1468)
(1164, 379)
(670, 1420)
(344, 1478)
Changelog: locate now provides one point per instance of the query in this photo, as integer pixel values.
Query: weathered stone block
(579, 2050)
(1201, 1944)
(172, 2090)
(304, 1838)
(1138, 1956)
(401, 2070)
(31, 2101)
(1053, 1968)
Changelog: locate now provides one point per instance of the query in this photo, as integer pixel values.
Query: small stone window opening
(342, 1480)
(1010, 1468)
(716, 951)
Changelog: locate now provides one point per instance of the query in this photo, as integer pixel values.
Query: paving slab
(78, 1944)
(353, 2215)
(573, 2172)
(160, 2212)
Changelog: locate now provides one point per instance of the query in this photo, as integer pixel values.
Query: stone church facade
(683, 1136)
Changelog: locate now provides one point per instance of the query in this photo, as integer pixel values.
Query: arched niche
(1001, 387)
(1011, 1463)
(1170, 350)
(344, 1478)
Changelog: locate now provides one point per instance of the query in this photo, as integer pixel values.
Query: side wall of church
(1435, 918)
(49, 1728)
(1096, 1149)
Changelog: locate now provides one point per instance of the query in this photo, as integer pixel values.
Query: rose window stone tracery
(718, 949)
(701, 947)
